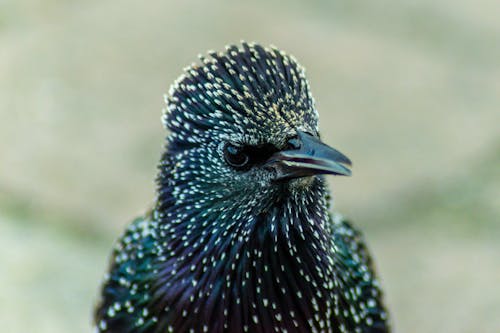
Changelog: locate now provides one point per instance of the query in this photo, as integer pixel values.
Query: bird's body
(241, 238)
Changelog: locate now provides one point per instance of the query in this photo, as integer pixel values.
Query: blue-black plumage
(241, 238)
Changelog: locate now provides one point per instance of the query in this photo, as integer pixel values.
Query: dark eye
(235, 156)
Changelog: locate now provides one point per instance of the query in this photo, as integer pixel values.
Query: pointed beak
(311, 157)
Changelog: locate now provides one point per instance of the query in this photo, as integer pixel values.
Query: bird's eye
(235, 157)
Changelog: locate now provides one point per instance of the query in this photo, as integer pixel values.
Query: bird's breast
(274, 276)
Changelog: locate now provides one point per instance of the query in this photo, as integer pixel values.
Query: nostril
(293, 143)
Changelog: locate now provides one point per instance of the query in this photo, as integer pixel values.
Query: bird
(241, 236)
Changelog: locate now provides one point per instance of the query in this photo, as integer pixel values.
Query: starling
(240, 238)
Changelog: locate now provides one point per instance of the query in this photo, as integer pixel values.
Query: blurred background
(409, 90)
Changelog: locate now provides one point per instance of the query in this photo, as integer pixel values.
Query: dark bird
(241, 238)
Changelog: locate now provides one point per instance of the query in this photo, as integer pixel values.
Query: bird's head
(243, 127)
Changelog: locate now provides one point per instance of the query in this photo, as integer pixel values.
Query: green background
(409, 90)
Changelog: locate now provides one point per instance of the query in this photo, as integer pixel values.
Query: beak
(312, 157)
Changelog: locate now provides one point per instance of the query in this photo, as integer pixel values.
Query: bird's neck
(278, 257)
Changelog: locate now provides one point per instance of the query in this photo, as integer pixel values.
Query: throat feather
(260, 271)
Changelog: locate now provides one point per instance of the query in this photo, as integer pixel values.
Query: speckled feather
(226, 250)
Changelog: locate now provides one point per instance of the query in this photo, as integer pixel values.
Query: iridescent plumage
(241, 249)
